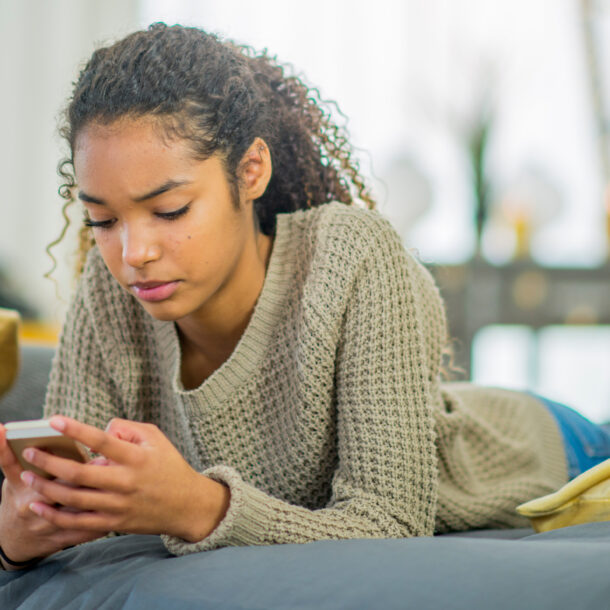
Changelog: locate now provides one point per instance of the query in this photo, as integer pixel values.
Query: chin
(164, 311)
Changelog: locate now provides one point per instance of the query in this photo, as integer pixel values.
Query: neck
(212, 333)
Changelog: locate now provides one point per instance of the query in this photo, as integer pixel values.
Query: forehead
(129, 155)
(129, 139)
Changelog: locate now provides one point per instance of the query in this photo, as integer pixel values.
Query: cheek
(179, 247)
(176, 241)
(185, 253)
(205, 252)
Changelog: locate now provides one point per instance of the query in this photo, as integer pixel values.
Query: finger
(73, 497)
(85, 521)
(97, 440)
(102, 477)
(126, 430)
(22, 500)
(99, 461)
(8, 462)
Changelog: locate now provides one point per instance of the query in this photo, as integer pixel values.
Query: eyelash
(106, 224)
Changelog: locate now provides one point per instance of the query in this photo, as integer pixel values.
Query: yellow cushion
(582, 500)
(9, 349)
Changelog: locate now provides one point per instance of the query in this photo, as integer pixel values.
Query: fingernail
(57, 423)
(28, 454)
(27, 477)
(35, 509)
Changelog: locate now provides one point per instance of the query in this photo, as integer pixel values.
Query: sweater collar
(255, 341)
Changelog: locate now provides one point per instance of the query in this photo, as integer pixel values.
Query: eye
(106, 224)
(98, 224)
(175, 214)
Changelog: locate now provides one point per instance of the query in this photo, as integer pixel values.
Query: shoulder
(365, 242)
(348, 222)
(336, 246)
(346, 233)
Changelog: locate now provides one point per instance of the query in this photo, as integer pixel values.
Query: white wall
(42, 43)
(400, 69)
(408, 74)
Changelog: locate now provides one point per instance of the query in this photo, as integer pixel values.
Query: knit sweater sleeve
(385, 482)
(80, 384)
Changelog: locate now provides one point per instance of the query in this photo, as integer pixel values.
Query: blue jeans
(586, 444)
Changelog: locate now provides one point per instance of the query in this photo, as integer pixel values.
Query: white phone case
(38, 433)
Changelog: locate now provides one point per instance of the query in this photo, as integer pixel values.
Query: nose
(139, 246)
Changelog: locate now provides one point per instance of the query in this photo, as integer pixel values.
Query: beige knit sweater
(328, 420)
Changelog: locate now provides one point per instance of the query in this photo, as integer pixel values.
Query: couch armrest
(25, 400)
(9, 356)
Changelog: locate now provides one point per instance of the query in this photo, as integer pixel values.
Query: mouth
(154, 291)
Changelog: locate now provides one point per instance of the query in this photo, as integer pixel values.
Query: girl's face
(165, 223)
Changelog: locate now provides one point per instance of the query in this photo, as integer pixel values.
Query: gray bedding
(567, 568)
(509, 569)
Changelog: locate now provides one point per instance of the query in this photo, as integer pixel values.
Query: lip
(154, 291)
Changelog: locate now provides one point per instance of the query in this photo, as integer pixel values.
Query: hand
(145, 486)
(23, 534)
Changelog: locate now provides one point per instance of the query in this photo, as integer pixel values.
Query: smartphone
(38, 433)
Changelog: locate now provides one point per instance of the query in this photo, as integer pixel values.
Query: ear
(255, 170)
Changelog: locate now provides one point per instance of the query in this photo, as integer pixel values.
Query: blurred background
(482, 127)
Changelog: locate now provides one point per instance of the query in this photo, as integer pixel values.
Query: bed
(566, 568)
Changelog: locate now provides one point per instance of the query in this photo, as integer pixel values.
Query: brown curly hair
(219, 96)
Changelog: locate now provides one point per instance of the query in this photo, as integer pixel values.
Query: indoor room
(475, 137)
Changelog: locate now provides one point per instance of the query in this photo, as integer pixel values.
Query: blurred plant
(477, 140)
(472, 120)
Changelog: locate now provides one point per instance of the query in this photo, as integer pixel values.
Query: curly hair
(218, 96)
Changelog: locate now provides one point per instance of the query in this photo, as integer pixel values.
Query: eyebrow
(164, 188)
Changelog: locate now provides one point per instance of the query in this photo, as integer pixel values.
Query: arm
(79, 386)
(385, 483)
(385, 480)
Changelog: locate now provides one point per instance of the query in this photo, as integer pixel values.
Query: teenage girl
(251, 355)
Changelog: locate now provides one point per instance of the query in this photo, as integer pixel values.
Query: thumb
(8, 462)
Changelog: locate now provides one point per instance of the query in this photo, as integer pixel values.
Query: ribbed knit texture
(328, 420)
